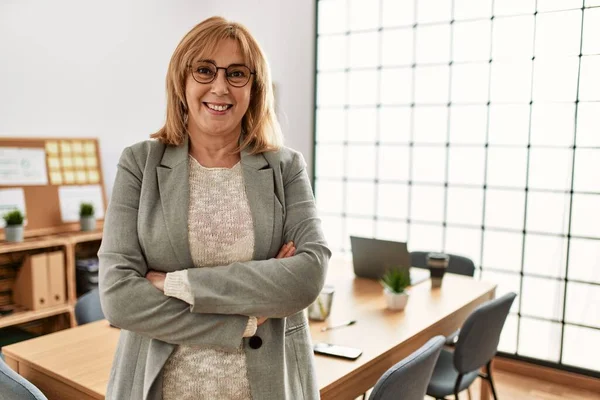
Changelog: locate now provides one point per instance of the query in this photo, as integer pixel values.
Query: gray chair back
(14, 387)
(408, 379)
(479, 336)
(456, 265)
(88, 309)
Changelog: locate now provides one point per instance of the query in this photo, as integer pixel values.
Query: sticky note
(81, 177)
(67, 162)
(65, 147)
(91, 162)
(78, 162)
(69, 177)
(52, 148)
(53, 163)
(77, 147)
(56, 178)
(93, 176)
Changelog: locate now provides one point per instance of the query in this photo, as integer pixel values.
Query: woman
(212, 247)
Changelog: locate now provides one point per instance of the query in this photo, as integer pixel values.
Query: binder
(56, 278)
(31, 286)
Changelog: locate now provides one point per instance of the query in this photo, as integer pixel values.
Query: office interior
(463, 127)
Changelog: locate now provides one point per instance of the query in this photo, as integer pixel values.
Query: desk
(74, 364)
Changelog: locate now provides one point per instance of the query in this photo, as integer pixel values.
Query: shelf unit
(69, 243)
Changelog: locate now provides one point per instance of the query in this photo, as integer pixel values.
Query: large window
(472, 127)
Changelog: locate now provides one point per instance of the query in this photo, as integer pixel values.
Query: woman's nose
(220, 85)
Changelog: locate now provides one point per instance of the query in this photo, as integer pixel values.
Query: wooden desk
(74, 364)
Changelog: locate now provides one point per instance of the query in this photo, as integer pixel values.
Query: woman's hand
(157, 279)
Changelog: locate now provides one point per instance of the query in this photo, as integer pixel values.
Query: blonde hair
(260, 128)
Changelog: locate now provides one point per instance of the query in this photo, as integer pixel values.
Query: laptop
(373, 257)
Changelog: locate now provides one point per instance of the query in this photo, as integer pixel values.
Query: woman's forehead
(224, 52)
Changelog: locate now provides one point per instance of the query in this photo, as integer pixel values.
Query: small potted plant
(14, 226)
(87, 220)
(395, 281)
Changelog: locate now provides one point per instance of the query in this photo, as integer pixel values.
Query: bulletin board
(52, 176)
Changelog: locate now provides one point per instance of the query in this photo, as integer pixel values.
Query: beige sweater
(220, 232)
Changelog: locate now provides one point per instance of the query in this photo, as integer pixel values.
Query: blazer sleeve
(273, 288)
(128, 299)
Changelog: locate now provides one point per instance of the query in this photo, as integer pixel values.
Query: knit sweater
(220, 231)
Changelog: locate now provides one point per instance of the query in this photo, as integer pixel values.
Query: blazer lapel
(173, 186)
(258, 180)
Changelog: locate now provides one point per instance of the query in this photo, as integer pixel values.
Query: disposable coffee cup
(437, 264)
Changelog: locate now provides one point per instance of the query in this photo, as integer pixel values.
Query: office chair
(14, 387)
(475, 348)
(87, 308)
(407, 380)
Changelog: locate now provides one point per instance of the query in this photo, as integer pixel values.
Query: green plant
(86, 210)
(15, 217)
(396, 280)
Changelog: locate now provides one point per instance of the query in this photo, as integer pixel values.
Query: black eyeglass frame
(225, 69)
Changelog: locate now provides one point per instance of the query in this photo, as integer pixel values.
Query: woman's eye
(204, 71)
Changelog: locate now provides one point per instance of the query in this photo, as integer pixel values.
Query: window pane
(509, 124)
(361, 161)
(333, 16)
(362, 124)
(331, 124)
(591, 31)
(513, 38)
(550, 41)
(433, 44)
(470, 83)
(586, 215)
(552, 124)
(508, 7)
(506, 281)
(397, 47)
(428, 164)
(539, 339)
(425, 237)
(362, 87)
(542, 297)
(588, 124)
(506, 167)
(387, 230)
(504, 209)
(329, 195)
(555, 80)
(470, 9)
(465, 206)
(331, 88)
(363, 15)
(584, 260)
(333, 229)
(465, 242)
(427, 203)
(508, 338)
(392, 200)
(550, 169)
(329, 161)
(364, 50)
(468, 124)
(471, 41)
(582, 304)
(396, 85)
(431, 84)
(397, 13)
(364, 227)
(433, 10)
(394, 124)
(581, 347)
(589, 86)
(587, 170)
(394, 163)
(548, 212)
(430, 124)
(332, 52)
(502, 250)
(553, 5)
(360, 198)
(545, 255)
(466, 165)
(511, 82)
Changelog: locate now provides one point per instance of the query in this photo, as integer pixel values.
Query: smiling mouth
(218, 107)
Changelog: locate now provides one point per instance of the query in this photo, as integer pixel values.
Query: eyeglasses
(238, 75)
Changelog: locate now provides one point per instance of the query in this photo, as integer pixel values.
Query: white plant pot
(87, 223)
(395, 301)
(14, 233)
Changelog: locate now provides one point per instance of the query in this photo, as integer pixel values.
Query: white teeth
(217, 108)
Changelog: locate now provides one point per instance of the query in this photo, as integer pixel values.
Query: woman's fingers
(287, 250)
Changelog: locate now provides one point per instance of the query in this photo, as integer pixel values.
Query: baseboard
(566, 378)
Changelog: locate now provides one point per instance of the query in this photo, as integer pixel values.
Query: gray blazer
(146, 228)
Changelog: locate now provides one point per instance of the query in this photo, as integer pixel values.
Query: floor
(515, 387)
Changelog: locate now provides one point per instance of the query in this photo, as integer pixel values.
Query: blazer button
(255, 342)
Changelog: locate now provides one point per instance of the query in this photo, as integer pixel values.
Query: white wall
(80, 69)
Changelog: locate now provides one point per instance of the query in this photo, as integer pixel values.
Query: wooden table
(74, 364)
